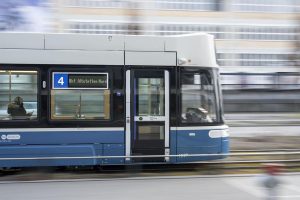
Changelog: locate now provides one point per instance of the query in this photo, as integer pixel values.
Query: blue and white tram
(71, 99)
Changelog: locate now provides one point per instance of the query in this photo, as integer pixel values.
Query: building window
(18, 95)
(198, 97)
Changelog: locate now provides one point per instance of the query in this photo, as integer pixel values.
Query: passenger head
(18, 100)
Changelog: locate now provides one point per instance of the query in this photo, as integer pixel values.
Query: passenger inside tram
(16, 109)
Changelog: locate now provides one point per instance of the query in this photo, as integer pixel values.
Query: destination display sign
(79, 80)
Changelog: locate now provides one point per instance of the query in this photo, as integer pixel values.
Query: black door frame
(158, 147)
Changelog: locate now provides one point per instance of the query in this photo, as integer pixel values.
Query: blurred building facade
(25, 15)
(255, 34)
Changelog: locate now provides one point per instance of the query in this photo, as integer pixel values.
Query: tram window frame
(25, 122)
(219, 97)
(82, 69)
(216, 91)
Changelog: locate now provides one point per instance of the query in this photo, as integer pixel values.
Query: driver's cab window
(198, 97)
(18, 95)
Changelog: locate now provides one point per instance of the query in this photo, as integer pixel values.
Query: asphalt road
(158, 188)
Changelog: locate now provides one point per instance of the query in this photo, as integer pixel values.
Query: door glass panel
(151, 99)
(153, 132)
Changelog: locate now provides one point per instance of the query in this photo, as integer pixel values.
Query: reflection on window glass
(80, 104)
(18, 95)
(198, 97)
(151, 99)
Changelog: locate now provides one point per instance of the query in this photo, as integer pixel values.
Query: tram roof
(62, 48)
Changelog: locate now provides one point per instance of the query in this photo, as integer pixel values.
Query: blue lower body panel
(113, 150)
(57, 148)
(198, 150)
(192, 142)
(61, 146)
(39, 152)
(225, 146)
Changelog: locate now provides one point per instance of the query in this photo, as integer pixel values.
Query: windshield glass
(198, 97)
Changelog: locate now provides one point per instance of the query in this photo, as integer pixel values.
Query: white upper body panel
(21, 41)
(84, 49)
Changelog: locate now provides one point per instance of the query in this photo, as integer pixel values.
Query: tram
(83, 99)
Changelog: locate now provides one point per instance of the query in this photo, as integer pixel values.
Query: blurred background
(257, 42)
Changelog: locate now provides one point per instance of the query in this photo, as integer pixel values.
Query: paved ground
(177, 188)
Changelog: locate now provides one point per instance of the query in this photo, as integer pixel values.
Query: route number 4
(61, 81)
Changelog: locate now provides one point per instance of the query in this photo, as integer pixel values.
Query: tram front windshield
(199, 93)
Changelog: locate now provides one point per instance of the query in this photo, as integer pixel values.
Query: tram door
(149, 113)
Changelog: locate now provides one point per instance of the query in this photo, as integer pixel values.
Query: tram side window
(18, 95)
(198, 97)
(80, 103)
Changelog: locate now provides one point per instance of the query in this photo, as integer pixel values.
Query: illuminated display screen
(77, 80)
(87, 81)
